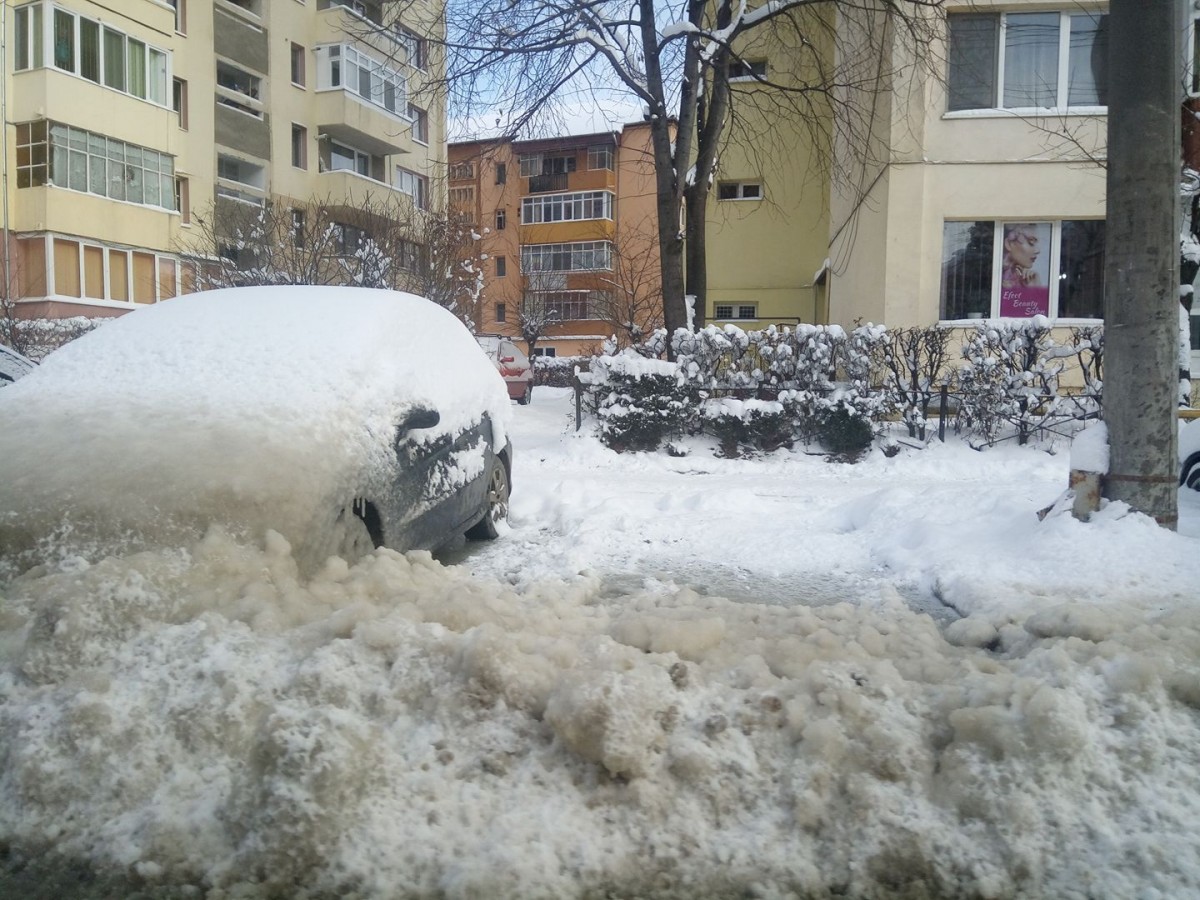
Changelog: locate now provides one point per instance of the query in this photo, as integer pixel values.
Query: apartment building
(129, 122)
(569, 233)
(767, 217)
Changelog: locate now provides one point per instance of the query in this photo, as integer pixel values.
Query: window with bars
(735, 311)
(739, 190)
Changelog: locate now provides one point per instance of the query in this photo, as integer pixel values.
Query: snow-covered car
(13, 365)
(341, 418)
(511, 362)
(1189, 454)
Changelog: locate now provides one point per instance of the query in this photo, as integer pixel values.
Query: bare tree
(632, 304)
(519, 64)
(536, 314)
(368, 242)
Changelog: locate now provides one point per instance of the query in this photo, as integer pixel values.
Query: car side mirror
(420, 417)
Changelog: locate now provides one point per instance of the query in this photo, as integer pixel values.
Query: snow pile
(255, 407)
(400, 729)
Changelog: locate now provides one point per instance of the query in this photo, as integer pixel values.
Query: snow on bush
(638, 401)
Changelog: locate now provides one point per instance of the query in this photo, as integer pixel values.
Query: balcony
(544, 184)
(346, 118)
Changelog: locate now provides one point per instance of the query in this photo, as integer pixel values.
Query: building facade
(568, 234)
(767, 219)
(131, 123)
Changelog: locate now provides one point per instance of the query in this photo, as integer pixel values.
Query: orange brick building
(569, 230)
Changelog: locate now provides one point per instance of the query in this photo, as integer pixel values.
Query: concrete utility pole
(1141, 276)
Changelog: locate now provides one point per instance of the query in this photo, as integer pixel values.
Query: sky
(692, 676)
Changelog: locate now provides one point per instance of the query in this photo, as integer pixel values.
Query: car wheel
(495, 506)
(527, 396)
(1189, 472)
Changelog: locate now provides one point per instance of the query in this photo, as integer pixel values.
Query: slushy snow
(674, 677)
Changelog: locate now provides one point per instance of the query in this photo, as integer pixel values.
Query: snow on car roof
(278, 398)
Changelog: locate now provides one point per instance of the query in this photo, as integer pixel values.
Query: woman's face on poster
(1022, 246)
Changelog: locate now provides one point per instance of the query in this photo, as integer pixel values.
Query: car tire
(1189, 472)
(495, 508)
(524, 399)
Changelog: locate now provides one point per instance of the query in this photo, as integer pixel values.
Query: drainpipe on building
(7, 299)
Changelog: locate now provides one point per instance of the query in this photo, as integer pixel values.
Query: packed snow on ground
(673, 677)
(264, 407)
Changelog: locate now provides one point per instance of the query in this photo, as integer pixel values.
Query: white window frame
(741, 188)
(414, 185)
(1062, 90)
(246, 185)
(534, 257)
(736, 310)
(579, 206)
(156, 74)
(752, 68)
(340, 67)
(353, 153)
(1055, 266)
(107, 300)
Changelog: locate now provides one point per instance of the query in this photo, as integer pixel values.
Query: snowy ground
(674, 677)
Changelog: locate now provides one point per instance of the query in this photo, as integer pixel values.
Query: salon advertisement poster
(1025, 270)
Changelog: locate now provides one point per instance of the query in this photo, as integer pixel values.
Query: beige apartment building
(569, 235)
(129, 122)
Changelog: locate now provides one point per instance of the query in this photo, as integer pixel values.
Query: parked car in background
(512, 364)
(13, 365)
(1189, 454)
(341, 418)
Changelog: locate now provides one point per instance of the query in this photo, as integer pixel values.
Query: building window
(239, 89)
(501, 313)
(28, 49)
(344, 67)
(501, 173)
(415, 48)
(545, 351)
(1003, 269)
(183, 200)
(1034, 60)
(501, 267)
(581, 256)
(735, 311)
(534, 164)
(94, 272)
(62, 156)
(748, 70)
(416, 186)
(463, 199)
(501, 219)
(600, 156)
(179, 101)
(297, 60)
(343, 158)
(82, 47)
(180, 7)
(463, 171)
(299, 146)
(299, 227)
(420, 123)
(739, 190)
(253, 7)
(571, 306)
(585, 205)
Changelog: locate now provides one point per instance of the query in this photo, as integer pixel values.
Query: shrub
(844, 433)
(638, 401)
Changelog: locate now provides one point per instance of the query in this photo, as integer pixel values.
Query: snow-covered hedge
(558, 371)
(840, 387)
